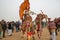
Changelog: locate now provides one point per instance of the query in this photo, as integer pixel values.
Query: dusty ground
(18, 36)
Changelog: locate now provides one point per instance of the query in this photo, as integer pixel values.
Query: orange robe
(24, 6)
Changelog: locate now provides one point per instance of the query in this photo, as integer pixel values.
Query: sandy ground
(18, 36)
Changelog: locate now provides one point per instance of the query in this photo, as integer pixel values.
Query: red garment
(38, 26)
(29, 33)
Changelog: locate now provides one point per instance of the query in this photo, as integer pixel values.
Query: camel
(38, 22)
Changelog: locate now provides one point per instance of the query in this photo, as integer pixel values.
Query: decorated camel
(27, 24)
(38, 22)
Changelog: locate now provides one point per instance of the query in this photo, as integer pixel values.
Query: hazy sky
(9, 9)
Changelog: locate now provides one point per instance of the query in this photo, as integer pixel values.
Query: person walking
(4, 27)
(51, 28)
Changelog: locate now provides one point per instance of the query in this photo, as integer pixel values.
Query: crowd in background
(9, 27)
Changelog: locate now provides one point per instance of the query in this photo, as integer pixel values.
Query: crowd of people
(53, 27)
(8, 27)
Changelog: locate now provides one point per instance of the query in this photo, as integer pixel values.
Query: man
(4, 27)
(52, 28)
